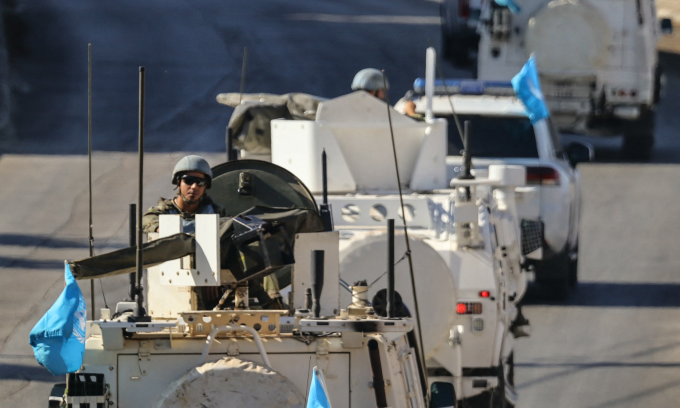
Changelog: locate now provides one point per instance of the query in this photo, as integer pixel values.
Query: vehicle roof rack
(465, 87)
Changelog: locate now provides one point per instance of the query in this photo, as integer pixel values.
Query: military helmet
(191, 163)
(369, 79)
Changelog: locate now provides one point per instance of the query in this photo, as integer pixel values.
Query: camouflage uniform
(165, 206)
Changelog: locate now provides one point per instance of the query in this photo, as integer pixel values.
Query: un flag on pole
(318, 393)
(527, 87)
(58, 340)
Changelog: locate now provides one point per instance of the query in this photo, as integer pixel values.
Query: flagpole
(89, 161)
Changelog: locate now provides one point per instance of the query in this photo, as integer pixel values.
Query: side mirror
(578, 152)
(666, 26)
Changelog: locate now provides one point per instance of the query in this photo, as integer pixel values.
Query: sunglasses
(191, 180)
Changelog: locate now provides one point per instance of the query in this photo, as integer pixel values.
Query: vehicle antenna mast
(448, 95)
(408, 245)
(231, 152)
(89, 161)
(139, 314)
(243, 74)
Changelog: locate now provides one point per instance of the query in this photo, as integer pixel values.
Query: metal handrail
(256, 337)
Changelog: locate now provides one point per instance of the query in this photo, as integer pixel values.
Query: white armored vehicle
(463, 236)
(597, 60)
(208, 342)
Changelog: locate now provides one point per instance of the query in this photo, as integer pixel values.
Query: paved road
(613, 343)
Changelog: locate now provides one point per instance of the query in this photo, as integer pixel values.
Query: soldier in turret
(192, 176)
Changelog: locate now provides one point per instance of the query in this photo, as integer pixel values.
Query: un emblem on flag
(80, 321)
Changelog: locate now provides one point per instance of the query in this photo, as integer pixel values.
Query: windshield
(495, 136)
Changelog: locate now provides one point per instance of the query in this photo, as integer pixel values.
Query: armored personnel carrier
(207, 342)
(463, 235)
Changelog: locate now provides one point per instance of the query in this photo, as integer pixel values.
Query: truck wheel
(638, 146)
(506, 378)
(658, 84)
(638, 139)
(553, 276)
(234, 383)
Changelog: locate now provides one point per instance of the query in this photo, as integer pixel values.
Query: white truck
(550, 204)
(597, 60)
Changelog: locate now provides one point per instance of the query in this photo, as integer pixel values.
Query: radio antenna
(448, 95)
(243, 73)
(408, 245)
(89, 163)
(139, 314)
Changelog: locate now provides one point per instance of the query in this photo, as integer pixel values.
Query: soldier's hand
(409, 108)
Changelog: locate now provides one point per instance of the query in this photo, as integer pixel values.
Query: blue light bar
(465, 87)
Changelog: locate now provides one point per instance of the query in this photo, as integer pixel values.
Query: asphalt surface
(613, 343)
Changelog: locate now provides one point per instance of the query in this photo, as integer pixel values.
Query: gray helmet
(191, 163)
(369, 79)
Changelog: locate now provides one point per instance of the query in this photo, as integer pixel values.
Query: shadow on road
(25, 372)
(40, 240)
(18, 263)
(604, 294)
(600, 364)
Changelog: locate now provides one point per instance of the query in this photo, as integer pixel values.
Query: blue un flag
(527, 87)
(318, 393)
(58, 339)
(509, 4)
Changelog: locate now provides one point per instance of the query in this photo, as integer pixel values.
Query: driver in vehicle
(371, 80)
(192, 177)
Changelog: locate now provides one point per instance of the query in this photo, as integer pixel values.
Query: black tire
(553, 276)
(638, 139)
(638, 146)
(658, 84)
(498, 397)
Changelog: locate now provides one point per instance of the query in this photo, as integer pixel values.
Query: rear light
(469, 308)
(624, 93)
(544, 176)
(484, 294)
(464, 8)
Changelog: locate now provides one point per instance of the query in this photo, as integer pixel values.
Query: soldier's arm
(150, 220)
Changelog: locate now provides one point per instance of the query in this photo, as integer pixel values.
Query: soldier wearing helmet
(192, 176)
(371, 80)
